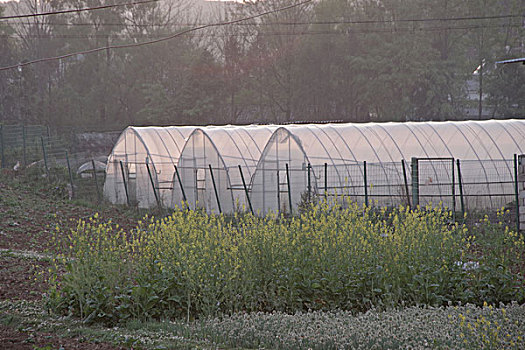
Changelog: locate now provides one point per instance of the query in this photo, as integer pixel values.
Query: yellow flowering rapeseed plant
(330, 257)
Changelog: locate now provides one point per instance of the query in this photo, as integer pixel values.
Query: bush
(191, 264)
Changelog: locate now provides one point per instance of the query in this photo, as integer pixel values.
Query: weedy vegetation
(461, 327)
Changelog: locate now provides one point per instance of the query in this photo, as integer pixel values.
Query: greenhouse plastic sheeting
(322, 160)
(224, 149)
(137, 149)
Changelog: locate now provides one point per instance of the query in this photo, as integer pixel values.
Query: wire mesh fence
(21, 144)
(45, 156)
(446, 182)
(436, 181)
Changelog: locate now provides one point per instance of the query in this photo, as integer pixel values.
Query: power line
(77, 10)
(439, 19)
(219, 24)
(274, 33)
(83, 24)
(442, 19)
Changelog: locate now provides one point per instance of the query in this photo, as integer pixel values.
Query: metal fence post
(326, 180)
(278, 193)
(415, 182)
(309, 183)
(70, 176)
(125, 183)
(521, 190)
(453, 192)
(289, 189)
(365, 183)
(24, 144)
(460, 182)
(45, 155)
(180, 184)
(96, 180)
(517, 193)
(215, 189)
(157, 199)
(405, 178)
(2, 145)
(246, 190)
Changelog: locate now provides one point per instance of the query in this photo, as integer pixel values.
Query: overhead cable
(403, 20)
(123, 46)
(272, 33)
(59, 12)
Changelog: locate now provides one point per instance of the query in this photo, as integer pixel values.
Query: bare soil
(16, 340)
(22, 279)
(29, 212)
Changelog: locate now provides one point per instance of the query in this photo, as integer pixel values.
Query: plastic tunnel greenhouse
(443, 163)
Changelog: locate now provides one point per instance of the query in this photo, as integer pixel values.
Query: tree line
(329, 60)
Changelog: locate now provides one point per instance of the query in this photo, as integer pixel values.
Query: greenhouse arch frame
(371, 162)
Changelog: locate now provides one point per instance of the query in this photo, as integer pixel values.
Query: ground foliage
(191, 265)
(462, 327)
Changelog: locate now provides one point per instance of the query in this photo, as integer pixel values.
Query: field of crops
(332, 277)
(190, 264)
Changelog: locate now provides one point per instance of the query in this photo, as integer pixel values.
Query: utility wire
(439, 19)
(123, 46)
(273, 33)
(77, 10)
(443, 19)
